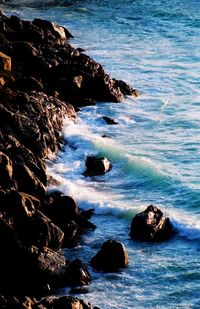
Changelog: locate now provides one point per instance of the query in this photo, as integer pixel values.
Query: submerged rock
(111, 257)
(109, 120)
(151, 225)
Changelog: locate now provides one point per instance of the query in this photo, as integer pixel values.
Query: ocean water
(154, 148)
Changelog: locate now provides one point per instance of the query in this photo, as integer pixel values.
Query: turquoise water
(154, 149)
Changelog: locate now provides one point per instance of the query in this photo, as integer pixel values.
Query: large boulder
(151, 225)
(111, 257)
(96, 166)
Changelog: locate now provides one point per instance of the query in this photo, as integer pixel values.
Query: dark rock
(88, 213)
(63, 207)
(42, 268)
(83, 222)
(15, 23)
(38, 230)
(27, 181)
(77, 274)
(44, 70)
(28, 84)
(109, 120)
(105, 136)
(96, 166)
(71, 233)
(11, 302)
(25, 51)
(79, 290)
(80, 49)
(151, 225)
(111, 257)
(126, 89)
(59, 32)
(65, 213)
(18, 205)
(67, 302)
(6, 171)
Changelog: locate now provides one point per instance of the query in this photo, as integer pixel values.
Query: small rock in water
(111, 257)
(96, 166)
(109, 120)
(151, 225)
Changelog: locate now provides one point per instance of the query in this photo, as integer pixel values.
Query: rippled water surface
(154, 149)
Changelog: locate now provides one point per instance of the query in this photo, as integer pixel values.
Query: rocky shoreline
(43, 79)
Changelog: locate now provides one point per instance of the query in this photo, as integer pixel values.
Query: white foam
(186, 224)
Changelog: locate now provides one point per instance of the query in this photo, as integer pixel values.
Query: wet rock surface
(96, 166)
(151, 225)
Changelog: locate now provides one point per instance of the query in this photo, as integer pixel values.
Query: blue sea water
(154, 148)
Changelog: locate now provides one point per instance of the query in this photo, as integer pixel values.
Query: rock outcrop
(151, 225)
(43, 80)
(111, 257)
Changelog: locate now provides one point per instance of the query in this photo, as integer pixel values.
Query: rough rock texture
(5, 62)
(50, 302)
(43, 79)
(151, 225)
(111, 257)
(44, 61)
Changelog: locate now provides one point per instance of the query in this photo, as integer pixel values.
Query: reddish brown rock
(5, 62)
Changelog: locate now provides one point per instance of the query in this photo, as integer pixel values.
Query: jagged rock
(151, 225)
(126, 89)
(5, 62)
(47, 263)
(18, 205)
(59, 32)
(96, 166)
(65, 213)
(27, 181)
(30, 131)
(63, 207)
(39, 231)
(111, 257)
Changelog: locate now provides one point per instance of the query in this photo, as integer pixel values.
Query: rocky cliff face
(43, 79)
